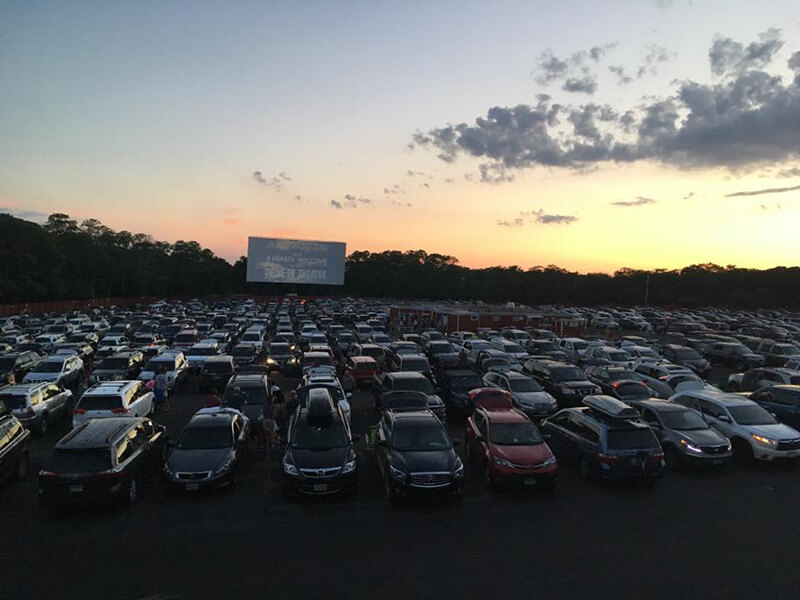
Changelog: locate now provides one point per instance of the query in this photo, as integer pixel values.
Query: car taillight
(120, 411)
(608, 458)
(659, 456)
(663, 378)
(78, 411)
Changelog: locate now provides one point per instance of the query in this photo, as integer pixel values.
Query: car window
(713, 410)
(649, 416)
(578, 425)
(784, 397)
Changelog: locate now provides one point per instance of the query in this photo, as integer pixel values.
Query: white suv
(754, 433)
(114, 399)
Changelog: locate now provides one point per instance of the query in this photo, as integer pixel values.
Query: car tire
(41, 428)
(391, 495)
(488, 479)
(584, 470)
(22, 467)
(743, 452)
(131, 492)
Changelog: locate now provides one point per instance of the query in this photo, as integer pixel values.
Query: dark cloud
(731, 57)
(619, 71)
(299, 198)
(259, 177)
(655, 56)
(551, 68)
(277, 182)
(585, 84)
(539, 216)
(574, 72)
(640, 201)
(778, 190)
(350, 201)
(748, 120)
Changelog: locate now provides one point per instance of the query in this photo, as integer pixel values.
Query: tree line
(67, 260)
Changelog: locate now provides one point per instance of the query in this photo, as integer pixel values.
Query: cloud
(299, 198)
(449, 180)
(395, 189)
(232, 221)
(778, 190)
(586, 84)
(538, 217)
(731, 57)
(27, 215)
(770, 207)
(517, 222)
(411, 173)
(619, 71)
(792, 172)
(277, 182)
(746, 121)
(654, 57)
(640, 201)
(689, 195)
(350, 201)
(574, 72)
(402, 204)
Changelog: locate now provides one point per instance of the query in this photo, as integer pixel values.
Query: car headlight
(764, 440)
(223, 468)
(270, 361)
(689, 447)
(549, 462)
(289, 468)
(349, 466)
(458, 471)
(503, 463)
(397, 473)
(292, 360)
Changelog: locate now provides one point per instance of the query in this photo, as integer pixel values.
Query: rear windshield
(465, 382)
(417, 384)
(185, 337)
(217, 367)
(156, 364)
(92, 402)
(83, 461)
(243, 351)
(633, 390)
(209, 351)
(254, 394)
(631, 439)
(567, 374)
(317, 361)
(372, 352)
(13, 401)
(114, 364)
(365, 366)
(415, 365)
(48, 367)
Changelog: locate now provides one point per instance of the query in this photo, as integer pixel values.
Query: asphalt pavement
(693, 535)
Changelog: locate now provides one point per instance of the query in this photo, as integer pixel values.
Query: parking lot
(693, 535)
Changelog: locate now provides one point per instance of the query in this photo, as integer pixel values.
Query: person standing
(160, 391)
(268, 422)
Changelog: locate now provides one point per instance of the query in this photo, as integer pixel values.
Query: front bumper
(773, 455)
(541, 411)
(541, 477)
(320, 486)
(197, 482)
(453, 487)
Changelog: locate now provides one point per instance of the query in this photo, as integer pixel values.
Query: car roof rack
(610, 407)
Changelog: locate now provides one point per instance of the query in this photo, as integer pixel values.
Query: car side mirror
(725, 418)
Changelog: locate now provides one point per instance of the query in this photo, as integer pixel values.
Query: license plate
(320, 487)
(192, 487)
(529, 481)
(76, 487)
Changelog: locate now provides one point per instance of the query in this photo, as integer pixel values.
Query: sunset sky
(589, 135)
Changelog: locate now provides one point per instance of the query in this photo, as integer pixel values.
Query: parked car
(363, 369)
(36, 405)
(66, 371)
(254, 389)
(209, 451)
(103, 460)
(455, 385)
(755, 379)
(754, 433)
(734, 356)
(175, 367)
(112, 399)
(415, 456)
(125, 365)
(606, 440)
(320, 457)
(686, 438)
(526, 393)
(14, 456)
(14, 366)
(216, 372)
(244, 354)
(416, 382)
(197, 355)
(566, 383)
(688, 357)
(783, 401)
(777, 353)
(280, 357)
(508, 448)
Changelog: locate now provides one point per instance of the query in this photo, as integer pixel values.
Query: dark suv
(216, 372)
(254, 389)
(410, 381)
(455, 385)
(13, 447)
(122, 366)
(734, 356)
(688, 357)
(16, 365)
(566, 383)
(102, 460)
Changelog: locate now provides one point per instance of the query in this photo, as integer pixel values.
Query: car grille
(790, 445)
(714, 449)
(327, 472)
(435, 479)
(193, 476)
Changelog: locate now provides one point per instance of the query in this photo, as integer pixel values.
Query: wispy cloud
(778, 190)
(350, 201)
(277, 182)
(640, 201)
(537, 217)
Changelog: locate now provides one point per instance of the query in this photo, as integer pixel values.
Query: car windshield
(465, 382)
(48, 367)
(567, 374)
(420, 438)
(317, 361)
(99, 402)
(183, 338)
(618, 356)
(243, 351)
(218, 367)
(308, 437)
(417, 384)
(80, 461)
(631, 439)
(687, 354)
(441, 347)
(209, 351)
(741, 350)
(683, 420)
(251, 337)
(155, 365)
(513, 348)
(580, 345)
(524, 385)
(7, 363)
(545, 346)
(415, 365)
(514, 434)
(196, 438)
(751, 414)
(13, 401)
(496, 362)
(633, 390)
(279, 350)
(113, 364)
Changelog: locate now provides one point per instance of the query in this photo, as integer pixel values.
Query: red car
(506, 444)
(362, 368)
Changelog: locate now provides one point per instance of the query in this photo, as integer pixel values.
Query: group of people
(160, 386)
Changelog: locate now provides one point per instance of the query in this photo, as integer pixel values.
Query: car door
(383, 440)
(52, 400)
(712, 412)
(651, 418)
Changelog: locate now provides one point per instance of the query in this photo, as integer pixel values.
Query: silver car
(526, 393)
(36, 405)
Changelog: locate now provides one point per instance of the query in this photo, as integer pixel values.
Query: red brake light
(120, 411)
(663, 377)
(78, 411)
(658, 456)
(615, 384)
(608, 458)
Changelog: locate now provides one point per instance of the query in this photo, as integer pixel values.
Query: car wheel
(391, 495)
(22, 467)
(41, 429)
(132, 492)
(743, 452)
(488, 479)
(584, 470)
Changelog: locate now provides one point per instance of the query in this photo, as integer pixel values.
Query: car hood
(103, 373)
(434, 400)
(416, 462)
(576, 384)
(778, 431)
(36, 377)
(533, 397)
(703, 437)
(318, 459)
(523, 455)
(193, 461)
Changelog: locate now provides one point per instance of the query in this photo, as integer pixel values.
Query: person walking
(214, 400)
(160, 391)
(348, 383)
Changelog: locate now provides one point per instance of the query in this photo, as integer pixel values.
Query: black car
(415, 456)
(734, 356)
(320, 458)
(619, 382)
(566, 383)
(254, 389)
(546, 348)
(280, 357)
(13, 447)
(15, 366)
(244, 354)
(688, 357)
(119, 367)
(102, 460)
(455, 385)
(209, 451)
(411, 381)
(216, 371)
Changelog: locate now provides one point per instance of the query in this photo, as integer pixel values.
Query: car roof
(504, 415)
(725, 398)
(357, 359)
(657, 404)
(406, 375)
(110, 387)
(219, 358)
(460, 372)
(96, 433)
(214, 419)
(609, 423)
(414, 416)
(22, 388)
(514, 375)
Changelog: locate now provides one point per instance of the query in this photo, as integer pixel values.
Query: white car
(114, 399)
(175, 366)
(754, 433)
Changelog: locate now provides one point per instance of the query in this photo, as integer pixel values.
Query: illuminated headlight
(503, 463)
(549, 462)
(458, 471)
(270, 361)
(289, 468)
(764, 441)
(397, 473)
(349, 466)
(689, 447)
(292, 360)
(222, 468)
